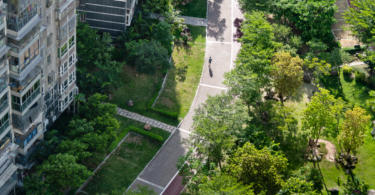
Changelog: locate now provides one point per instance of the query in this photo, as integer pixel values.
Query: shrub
(360, 76)
(347, 69)
(146, 134)
(353, 50)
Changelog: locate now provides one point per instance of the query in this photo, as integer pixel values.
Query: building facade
(37, 78)
(110, 16)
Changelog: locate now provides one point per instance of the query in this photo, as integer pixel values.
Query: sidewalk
(188, 20)
(161, 174)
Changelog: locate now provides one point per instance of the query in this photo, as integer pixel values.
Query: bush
(353, 50)
(347, 69)
(135, 130)
(360, 76)
(146, 134)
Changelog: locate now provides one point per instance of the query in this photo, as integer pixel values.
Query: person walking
(209, 61)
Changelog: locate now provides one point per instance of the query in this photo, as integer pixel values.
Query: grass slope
(183, 78)
(194, 8)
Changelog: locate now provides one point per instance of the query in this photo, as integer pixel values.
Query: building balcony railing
(26, 160)
(16, 22)
(3, 106)
(23, 122)
(18, 66)
(18, 46)
(19, 86)
(4, 126)
(26, 103)
(26, 139)
(49, 3)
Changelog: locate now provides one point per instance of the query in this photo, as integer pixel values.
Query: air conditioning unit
(53, 118)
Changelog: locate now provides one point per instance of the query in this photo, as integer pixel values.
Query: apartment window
(82, 2)
(63, 86)
(66, 66)
(71, 60)
(82, 18)
(49, 40)
(71, 42)
(71, 95)
(49, 59)
(31, 91)
(6, 138)
(63, 50)
(72, 77)
(63, 32)
(72, 25)
(48, 20)
(42, 74)
(4, 120)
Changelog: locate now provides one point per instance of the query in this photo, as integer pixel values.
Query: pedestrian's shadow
(210, 71)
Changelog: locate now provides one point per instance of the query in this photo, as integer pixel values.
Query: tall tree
(369, 59)
(78, 98)
(147, 56)
(94, 107)
(63, 170)
(162, 33)
(258, 167)
(339, 57)
(75, 148)
(287, 74)
(318, 113)
(338, 110)
(361, 17)
(156, 6)
(354, 128)
(35, 184)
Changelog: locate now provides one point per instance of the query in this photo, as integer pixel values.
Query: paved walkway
(143, 119)
(340, 34)
(161, 173)
(188, 20)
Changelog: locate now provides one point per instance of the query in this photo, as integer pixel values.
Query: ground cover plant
(183, 78)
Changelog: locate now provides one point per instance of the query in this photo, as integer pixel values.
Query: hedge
(135, 130)
(173, 115)
(353, 50)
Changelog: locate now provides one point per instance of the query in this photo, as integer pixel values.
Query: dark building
(111, 16)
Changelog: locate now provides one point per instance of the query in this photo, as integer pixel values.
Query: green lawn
(194, 8)
(140, 88)
(123, 166)
(183, 79)
(127, 162)
(197, 32)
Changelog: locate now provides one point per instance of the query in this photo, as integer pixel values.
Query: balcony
(26, 140)
(18, 46)
(35, 94)
(26, 160)
(17, 65)
(20, 86)
(16, 21)
(3, 82)
(5, 152)
(3, 106)
(23, 122)
(49, 3)
(9, 180)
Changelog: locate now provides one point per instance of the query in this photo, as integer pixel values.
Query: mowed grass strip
(140, 88)
(124, 165)
(183, 79)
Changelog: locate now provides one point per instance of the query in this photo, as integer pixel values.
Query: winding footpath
(161, 173)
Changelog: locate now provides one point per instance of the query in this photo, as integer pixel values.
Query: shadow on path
(215, 25)
(210, 71)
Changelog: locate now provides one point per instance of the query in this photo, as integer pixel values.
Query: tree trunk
(316, 143)
(281, 98)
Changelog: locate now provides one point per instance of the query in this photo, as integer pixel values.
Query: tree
(62, 170)
(320, 67)
(79, 127)
(306, 180)
(361, 17)
(287, 74)
(96, 142)
(313, 17)
(156, 6)
(94, 107)
(140, 190)
(339, 57)
(34, 184)
(354, 128)
(369, 59)
(258, 167)
(283, 117)
(371, 101)
(318, 113)
(147, 56)
(224, 184)
(256, 5)
(162, 33)
(110, 71)
(173, 18)
(74, 148)
(283, 34)
(106, 124)
(338, 110)
(79, 98)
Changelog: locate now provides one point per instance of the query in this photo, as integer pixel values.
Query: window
(71, 95)
(6, 138)
(71, 42)
(63, 32)
(31, 91)
(63, 50)
(49, 59)
(63, 86)
(82, 2)
(83, 17)
(49, 40)
(42, 74)
(63, 69)
(72, 77)
(66, 66)
(72, 25)
(71, 60)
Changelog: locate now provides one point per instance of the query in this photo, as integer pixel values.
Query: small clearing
(331, 150)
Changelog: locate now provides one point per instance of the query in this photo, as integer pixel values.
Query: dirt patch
(133, 139)
(167, 102)
(331, 150)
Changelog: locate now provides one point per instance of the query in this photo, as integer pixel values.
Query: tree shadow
(181, 73)
(215, 25)
(237, 24)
